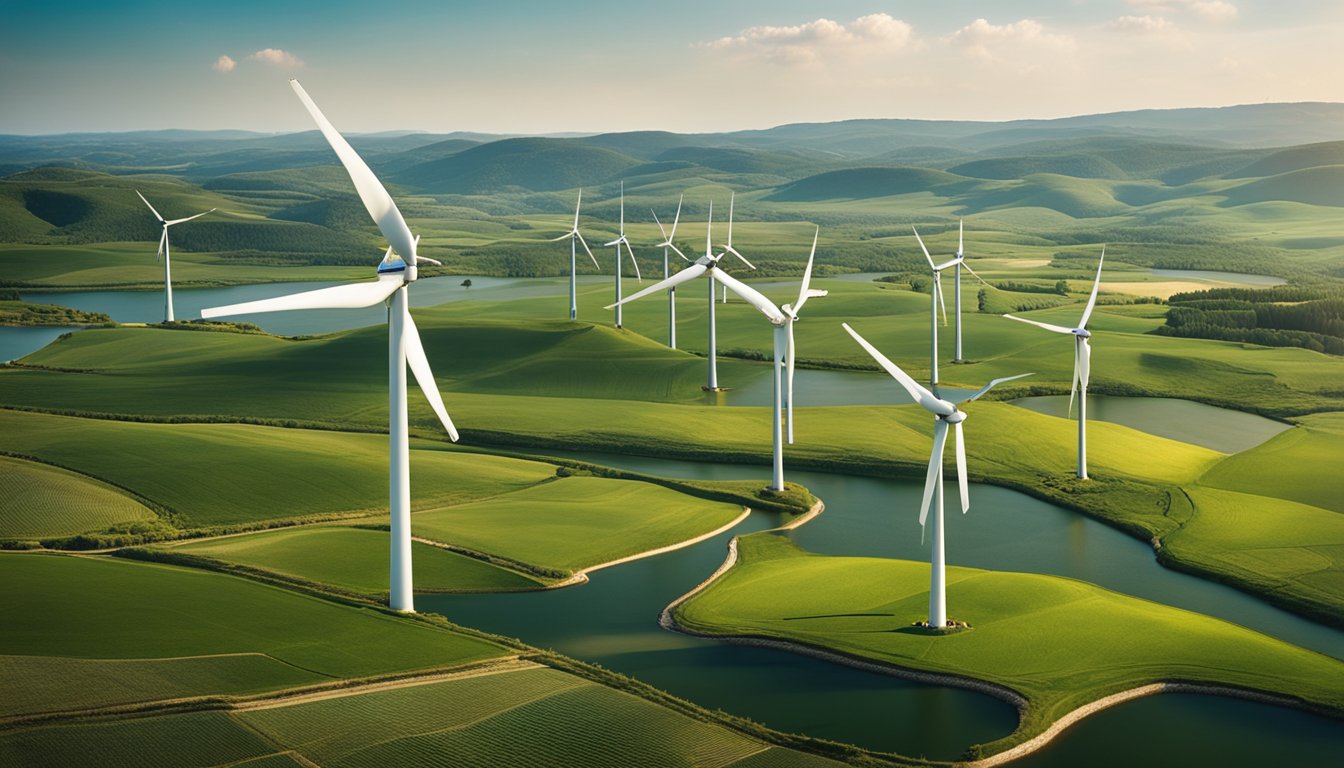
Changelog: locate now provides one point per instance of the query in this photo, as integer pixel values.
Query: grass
(536, 717)
(539, 717)
(1300, 464)
(37, 501)
(23, 313)
(575, 522)
(1058, 642)
(355, 559)
(102, 613)
(222, 474)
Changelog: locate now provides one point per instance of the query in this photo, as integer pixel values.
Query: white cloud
(808, 43)
(1212, 10)
(277, 57)
(987, 40)
(1142, 25)
(224, 64)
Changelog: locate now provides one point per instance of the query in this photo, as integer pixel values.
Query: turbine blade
(374, 195)
(565, 236)
(676, 218)
(426, 260)
(677, 251)
(977, 276)
(922, 248)
(685, 275)
(961, 471)
(1092, 300)
(631, 251)
(1046, 326)
(938, 289)
(622, 208)
(961, 242)
(163, 240)
(709, 228)
(151, 208)
(577, 203)
(1073, 387)
(351, 296)
(739, 256)
(917, 392)
(935, 464)
(803, 294)
(994, 383)
(587, 250)
(189, 218)
(751, 295)
(660, 226)
(419, 365)
(732, 196)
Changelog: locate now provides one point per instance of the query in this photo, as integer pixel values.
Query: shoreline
(667, 621)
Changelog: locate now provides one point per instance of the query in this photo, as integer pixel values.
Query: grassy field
(535, 717)
(355, 559)
(270, 473)
(1301, 464)
(38, 500)
(575, 522)
(133, 631)
(1058, 642)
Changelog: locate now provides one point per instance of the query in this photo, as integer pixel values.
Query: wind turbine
(396, 272)
(713, 384)
(618, 242)
(961, 262)
(164, 254)
(936, 301)
(667, 246)
(1082, 363)
(575, 237)
(944, 412)
(732, 197)
(708, 264)
(791, 312)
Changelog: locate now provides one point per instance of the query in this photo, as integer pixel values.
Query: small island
(16, 312)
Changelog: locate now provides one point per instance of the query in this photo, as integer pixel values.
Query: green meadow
(535, 717)
(1059, 643)
(113, 631)
(37, 500)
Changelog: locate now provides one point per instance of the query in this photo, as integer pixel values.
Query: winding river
(613, 619)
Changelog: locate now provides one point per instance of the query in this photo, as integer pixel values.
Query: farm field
(1057, 642)
(38, 500)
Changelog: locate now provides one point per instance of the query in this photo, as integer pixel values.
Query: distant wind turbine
(791, 312)
(618, 242)
(944, 412)
(166, 256)
(574, 238)
(395, 273)
(667, 246)
(708, 264)
(1082, 363)
(936, 301)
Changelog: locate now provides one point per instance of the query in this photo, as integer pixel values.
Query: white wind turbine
(1082, 363)
(574, 238)
(395, 273)
(166, 256)
(936, 301)
(667, 246)
(618, 242)
(713, 384)
(708, 264)
(791, 312)
(944, 412)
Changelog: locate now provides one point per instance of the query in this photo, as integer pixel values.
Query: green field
(133, 631)
(1301, 464)
(535, 717)
(356, 559)
(38, 500)
(1058, 642)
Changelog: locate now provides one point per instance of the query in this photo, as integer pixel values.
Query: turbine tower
(575, 237)
(791, 312)
(708, 264)
(1082, 363)
(166, 256)
(396, 272)
(944, 413)
(666, 245)
(618, 242)
(936, 301)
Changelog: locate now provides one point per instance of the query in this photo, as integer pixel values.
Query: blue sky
(692, 65)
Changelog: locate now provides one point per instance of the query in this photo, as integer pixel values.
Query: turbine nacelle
(955, 417)
(1082, 333)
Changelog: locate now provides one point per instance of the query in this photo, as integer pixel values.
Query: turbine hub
(1082, 333)
(956, 417)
